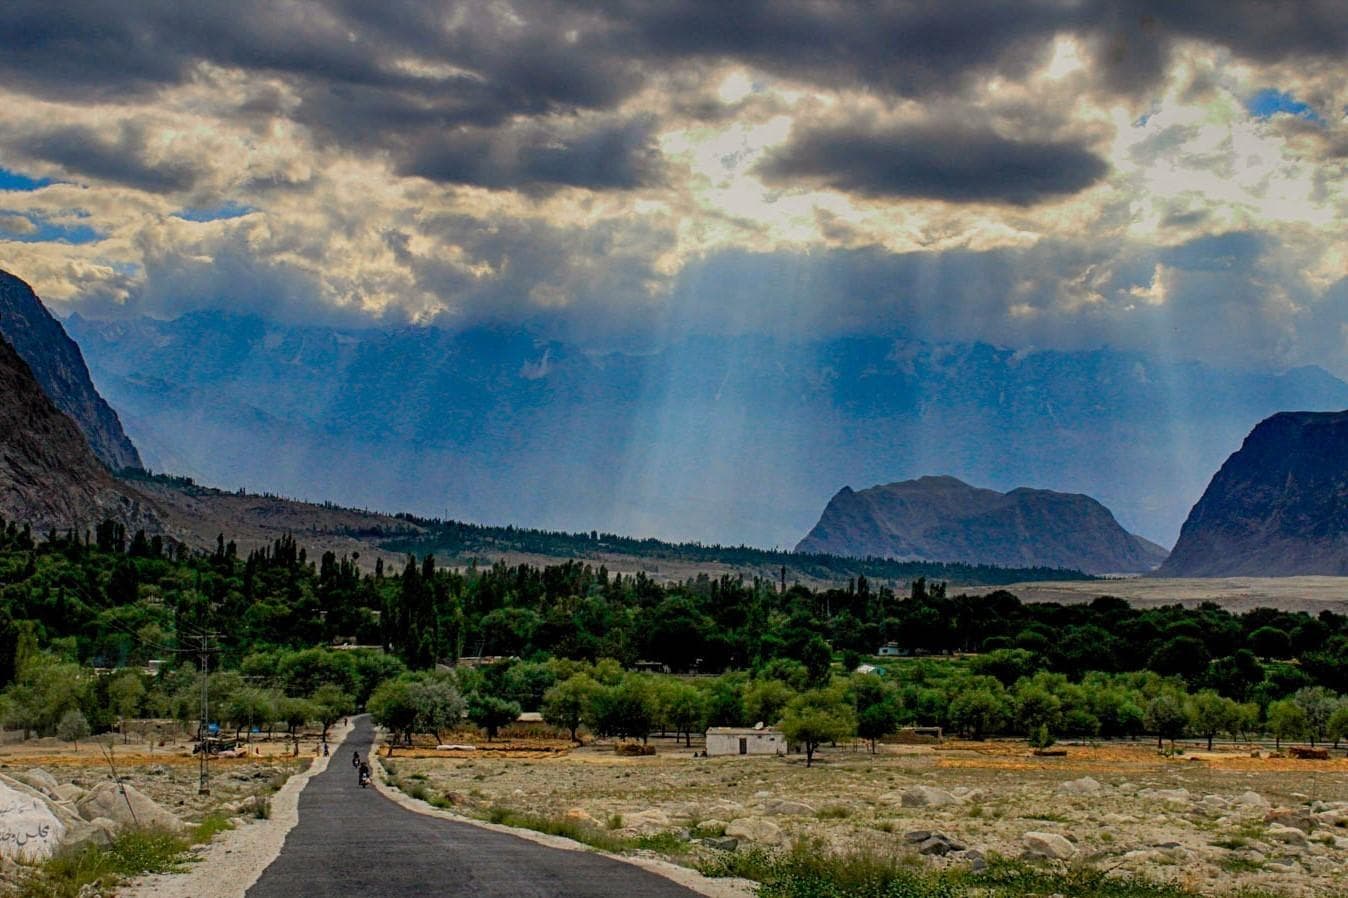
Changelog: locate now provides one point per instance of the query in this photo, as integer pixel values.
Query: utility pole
(205, 762)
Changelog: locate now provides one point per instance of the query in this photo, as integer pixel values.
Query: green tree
(1286, 720)
(683, 706)
(391, 707)
(980, 711)
(331, 703)
(72, 727)
(1166, 716)
(818, 716)
(1337, 728)
(1210, 714)
(626, 710)
(1318, 704)
(565, 705)
(439, 706)
(295, 713)
(491, 713)
(126, 691)
(765, 700)
(248, 707)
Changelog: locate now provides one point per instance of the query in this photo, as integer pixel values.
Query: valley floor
(1215, 822)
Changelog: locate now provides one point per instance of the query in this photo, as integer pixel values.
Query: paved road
(353, 841)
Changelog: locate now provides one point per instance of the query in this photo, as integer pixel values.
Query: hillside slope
(942, 518)
(49, 477)
(1278, 507)
(58, 366)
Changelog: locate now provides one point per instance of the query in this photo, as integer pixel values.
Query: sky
(1043, 174)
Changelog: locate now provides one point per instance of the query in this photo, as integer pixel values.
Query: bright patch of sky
(13, 180)
(1271, 101)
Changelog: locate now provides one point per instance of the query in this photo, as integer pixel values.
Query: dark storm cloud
(948, 161)
(531, 156)
(408, 76)
(120, 157)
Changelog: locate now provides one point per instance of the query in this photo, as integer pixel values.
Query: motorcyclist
(364, 776)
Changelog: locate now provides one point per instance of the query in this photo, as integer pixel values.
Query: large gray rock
(68, 792)
(785, 807)
(927, 797)
(30, 829)
(1084, 786)
(127, 806)
(39, 779)
(755, 829)
(1048, 845)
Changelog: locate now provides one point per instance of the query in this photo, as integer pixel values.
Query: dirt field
(1236, 594)
(1216, 822)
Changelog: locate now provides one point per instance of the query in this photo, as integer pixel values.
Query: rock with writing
(29, 829)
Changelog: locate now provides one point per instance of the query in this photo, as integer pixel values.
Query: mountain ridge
(942, 516)
(60, 369)
(1278, 506)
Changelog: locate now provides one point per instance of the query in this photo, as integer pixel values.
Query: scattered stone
(1084, 786)
(1048, 845)
(721, 843)
(755, 829)
(916, 836)
(68, 792)
(976, 861)
(579, 815)
(651, 820)
(927, 797)
(127, 806)
(1252, 800)
(1291, 817)
(1289, 835)
(785, 807)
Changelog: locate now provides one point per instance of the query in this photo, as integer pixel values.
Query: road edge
(727, 887)
(244, 852)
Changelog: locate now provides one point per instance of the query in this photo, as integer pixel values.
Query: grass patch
(557, 826)
(834, 812)
(1049, 817)
(663, 843)
(210, 826)
(807, 870)
(1239, 863)
(260, 807)
(93, 868)
(1233, 843)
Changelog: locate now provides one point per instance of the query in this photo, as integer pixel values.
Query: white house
(758, 740)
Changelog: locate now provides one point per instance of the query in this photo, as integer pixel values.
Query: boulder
(30, 829)
(927, 797)
(579, 815)
(1251, 800)
(646, 821)
(755, 829)
(721, 843)
(1288, 835)
(1048, 845)
(68, 792)
(1295, 817)
(127, 806)
(39, 779)
(1084, 786)
(785, 807)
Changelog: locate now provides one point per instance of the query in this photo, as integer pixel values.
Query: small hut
(759, 740)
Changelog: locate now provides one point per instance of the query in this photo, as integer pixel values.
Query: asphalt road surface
(354, 841)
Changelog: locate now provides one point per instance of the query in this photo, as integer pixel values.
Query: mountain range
(941, 517)
(724, 439)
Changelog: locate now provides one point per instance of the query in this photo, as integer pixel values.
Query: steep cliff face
(49, 477)
(58, 366)
(1277, 507)
(945, 519)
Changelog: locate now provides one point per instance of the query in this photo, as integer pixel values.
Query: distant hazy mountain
(49, 477)
(942, 518)
(56, 362)
(725, 439)
(1278, 507)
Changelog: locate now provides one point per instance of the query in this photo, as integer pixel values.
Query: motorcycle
(364, 778)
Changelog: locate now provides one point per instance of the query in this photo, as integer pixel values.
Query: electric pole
(205, 762)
